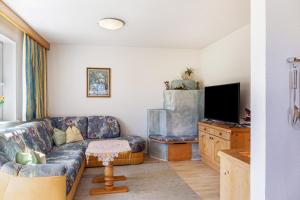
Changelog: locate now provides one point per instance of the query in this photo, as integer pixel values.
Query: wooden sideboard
(214, 137)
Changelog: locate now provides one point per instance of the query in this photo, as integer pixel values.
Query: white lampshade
(111, 23)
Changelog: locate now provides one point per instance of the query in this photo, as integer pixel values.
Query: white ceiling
(149, 23)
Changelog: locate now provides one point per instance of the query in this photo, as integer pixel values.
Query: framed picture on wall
(98, 82)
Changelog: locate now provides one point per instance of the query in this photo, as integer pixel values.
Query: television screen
(222, 102)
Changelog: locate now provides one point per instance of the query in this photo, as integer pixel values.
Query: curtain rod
(17, 21)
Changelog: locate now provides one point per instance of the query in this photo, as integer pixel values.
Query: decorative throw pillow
(26, 158)
(41, 158)
(59, 137)
(73, 134)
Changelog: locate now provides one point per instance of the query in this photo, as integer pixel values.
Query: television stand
(217, 136)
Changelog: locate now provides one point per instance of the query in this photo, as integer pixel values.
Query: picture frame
(98, 82)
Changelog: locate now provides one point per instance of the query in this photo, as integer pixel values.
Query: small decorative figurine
(167, 85)
(198, 85)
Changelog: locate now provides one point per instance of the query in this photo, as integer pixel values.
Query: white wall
(137, 81)
(275, 142)
(228, 61)
(258, 100)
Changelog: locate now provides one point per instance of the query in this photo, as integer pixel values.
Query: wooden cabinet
(219, 145)
(214, 137)
(234, 175)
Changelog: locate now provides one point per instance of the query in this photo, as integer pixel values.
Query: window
(8, 79)
(1, 78)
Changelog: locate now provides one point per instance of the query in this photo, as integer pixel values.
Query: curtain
(35, 71)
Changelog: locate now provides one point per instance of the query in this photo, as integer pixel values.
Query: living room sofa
(60, 176)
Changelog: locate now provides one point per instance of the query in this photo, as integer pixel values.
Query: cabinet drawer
(207, 130)
(222, 134)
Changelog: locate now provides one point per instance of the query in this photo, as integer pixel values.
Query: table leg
(109, 183)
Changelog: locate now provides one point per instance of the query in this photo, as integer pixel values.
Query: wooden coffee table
(106, 151)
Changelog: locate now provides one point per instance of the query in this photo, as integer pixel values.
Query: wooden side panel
(225, 181)
(179, 151)
(234, 180)
(240, 141)
(201, 143)
(242, 187)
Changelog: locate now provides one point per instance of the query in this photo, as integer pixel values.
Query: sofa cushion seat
(80, 145)
(136, 143)
(42, 170)
(71, 158)
(11, 168)
(174, 138)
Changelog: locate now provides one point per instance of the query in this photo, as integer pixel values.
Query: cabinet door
(209, 146)
(219, 144)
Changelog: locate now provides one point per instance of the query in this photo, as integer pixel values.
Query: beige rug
(151, 181)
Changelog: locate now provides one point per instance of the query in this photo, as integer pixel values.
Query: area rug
(150, 181)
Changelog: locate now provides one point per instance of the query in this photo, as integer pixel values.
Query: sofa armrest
(42, 170)
(33, 188)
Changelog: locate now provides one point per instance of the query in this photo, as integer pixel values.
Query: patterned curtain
(35, 66)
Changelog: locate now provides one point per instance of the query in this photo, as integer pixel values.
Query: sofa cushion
(17, 139)
(26, 158)
(37, 133)
(174, 138)
(63, 123)
(49, 124)
(103, 127)
(59, 137)
(73, 134)
(3, 159)
(72, 159)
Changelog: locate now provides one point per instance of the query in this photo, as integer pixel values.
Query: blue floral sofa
(66, 162)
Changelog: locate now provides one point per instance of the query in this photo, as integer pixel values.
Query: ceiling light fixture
(111, 23)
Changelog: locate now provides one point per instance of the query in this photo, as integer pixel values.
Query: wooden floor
(201, 178)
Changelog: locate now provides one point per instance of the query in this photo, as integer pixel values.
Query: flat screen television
(222, 102)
